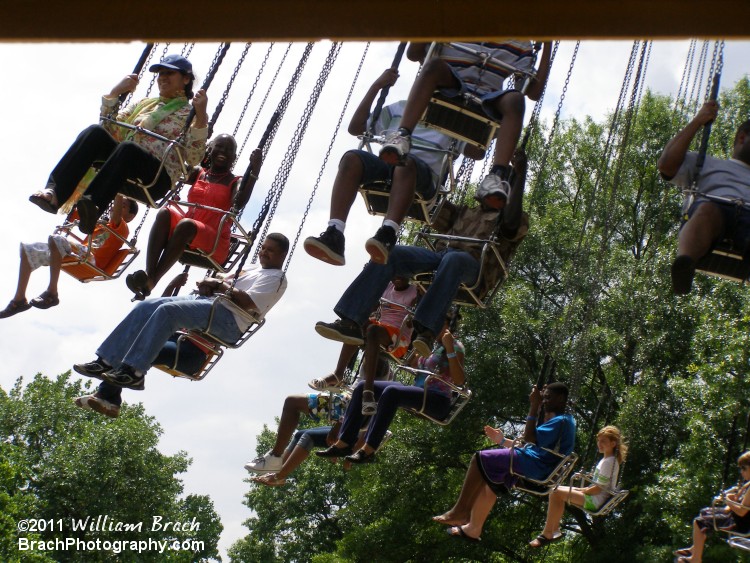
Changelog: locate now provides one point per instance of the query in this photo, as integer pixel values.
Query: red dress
(212, 194)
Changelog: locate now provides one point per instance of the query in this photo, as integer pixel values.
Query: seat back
(556, 477)
(725, 262)
(461, 118)
(618, 495)
(212, 350)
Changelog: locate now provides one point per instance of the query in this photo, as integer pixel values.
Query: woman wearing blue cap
(129, 155)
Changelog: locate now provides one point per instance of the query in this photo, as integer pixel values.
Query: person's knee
(351, 164)
(433, 70)
(512, 104)
(185, 228)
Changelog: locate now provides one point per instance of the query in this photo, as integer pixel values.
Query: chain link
(325, 159)
(293, 149)
(225, 95)
(252, 90)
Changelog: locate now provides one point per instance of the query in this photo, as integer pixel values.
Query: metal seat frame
(460, 396)
(462, 117)
(582, 479)
(209, 342)
(87, 261)
(724, 261)
(377, 194)
(468, 295)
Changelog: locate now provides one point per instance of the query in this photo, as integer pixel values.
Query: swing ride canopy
(236, 20)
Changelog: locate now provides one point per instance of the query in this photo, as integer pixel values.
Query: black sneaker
(342, 330)
(88, 215)
(125, 376)
(379, 246)
(96, 369)
(683, 272)
(423, 343)
(328, 247)
(333, 451)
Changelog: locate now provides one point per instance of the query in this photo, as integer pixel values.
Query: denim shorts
(736, 222)
(375, 170)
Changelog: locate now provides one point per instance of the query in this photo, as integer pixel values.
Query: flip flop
(270, 480)
(458, 532)
(45, 301)
(45, 199)
(13, 308)
(446, 522)
(684, 552)
(543, 540)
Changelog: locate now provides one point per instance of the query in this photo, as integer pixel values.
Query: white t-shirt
(265, 286)
(605, 475)
(719, 177)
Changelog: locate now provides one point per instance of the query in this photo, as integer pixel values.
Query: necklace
(218, 175)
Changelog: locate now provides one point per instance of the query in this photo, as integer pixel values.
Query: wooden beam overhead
(378, 20)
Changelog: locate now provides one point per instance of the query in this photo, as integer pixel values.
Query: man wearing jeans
(128, 352)
(453, 263)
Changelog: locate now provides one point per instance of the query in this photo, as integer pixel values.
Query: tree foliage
(62, 464)
(589, 294)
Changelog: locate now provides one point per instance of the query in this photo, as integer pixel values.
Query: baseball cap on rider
(173, 62)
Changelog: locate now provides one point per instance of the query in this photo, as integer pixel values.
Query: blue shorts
(324, 405)
(736, 222)
(375, 170)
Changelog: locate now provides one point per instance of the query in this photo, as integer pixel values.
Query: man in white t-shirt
(419, 174)
(709, 221)
(128, 352)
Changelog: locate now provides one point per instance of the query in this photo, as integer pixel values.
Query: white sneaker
(493, 184)
(267, 463)
(395, 148)
(97, 404)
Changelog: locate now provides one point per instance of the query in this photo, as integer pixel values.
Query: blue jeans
(451, 266)
(137, 340)
(390, 395)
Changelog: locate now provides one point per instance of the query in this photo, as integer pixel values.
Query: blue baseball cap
(173, 62)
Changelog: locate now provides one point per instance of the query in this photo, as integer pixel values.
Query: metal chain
(534, 119)
(252, 90)
(325, 159)
(298, 135)
(225, 95)
(540, 178)
(698, 80)
(141, 72)
(187, 48)
(281, 109)
(268, 91)
(679, 102)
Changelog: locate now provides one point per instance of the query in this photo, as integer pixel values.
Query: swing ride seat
(84, 269)
(422, 210)
(141, 189)
(403, 338)
(462, 117)
(210, 343)
(724, 261)
(584, 479)
(492, 270)
(460, 396)
(556, 477)
(239, 241)
(739, 540)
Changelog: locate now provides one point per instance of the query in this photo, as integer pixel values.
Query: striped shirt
(490, 77)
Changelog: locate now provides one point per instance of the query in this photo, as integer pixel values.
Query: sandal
(458, 532)
(542, 540)
(14, 307)
(369, 404)
(361, 456)
(322, 383)
(45, 300)
(270, 480)
(683, 552)
(45, 199)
